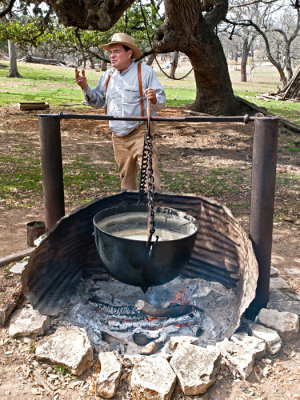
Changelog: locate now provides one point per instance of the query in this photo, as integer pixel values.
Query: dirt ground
(184, 148)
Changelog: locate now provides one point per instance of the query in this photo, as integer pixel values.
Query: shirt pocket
(131, 96)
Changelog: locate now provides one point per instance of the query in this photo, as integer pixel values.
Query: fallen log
(39, 60)
(33, 106)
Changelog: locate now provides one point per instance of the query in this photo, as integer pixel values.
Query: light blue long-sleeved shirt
(122, 97)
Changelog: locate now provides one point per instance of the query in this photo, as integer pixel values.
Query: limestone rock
(236, 357)
(273, 272)
(285, 323)
(195, 367)
(28, 322)
(269, 336)
(279, 283)
(152, 379)
(284, 302)
(177, 340)
(253, 344)
(69, 347)
(109, 377)
(129, 360)
(18, 267)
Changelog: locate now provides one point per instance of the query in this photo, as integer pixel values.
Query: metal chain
(150, 184)
(143, 176)
(147, 177)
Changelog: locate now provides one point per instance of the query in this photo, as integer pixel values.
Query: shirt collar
(128, 69)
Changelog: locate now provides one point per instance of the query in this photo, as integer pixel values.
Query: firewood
(171, 312)
(151, 348)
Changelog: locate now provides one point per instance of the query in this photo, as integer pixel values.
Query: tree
(50, 39)
(189, 26)
(13, 69)
(214, 90)
(242, 36)
(269, 20)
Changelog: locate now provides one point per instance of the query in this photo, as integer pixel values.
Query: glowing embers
(116, 312)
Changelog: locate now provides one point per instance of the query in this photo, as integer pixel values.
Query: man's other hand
(150, 95)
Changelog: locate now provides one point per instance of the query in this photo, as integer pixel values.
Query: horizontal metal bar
(245, 118)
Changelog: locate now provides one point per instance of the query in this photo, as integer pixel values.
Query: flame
(179, 298)
(184, 324)
(155, 318)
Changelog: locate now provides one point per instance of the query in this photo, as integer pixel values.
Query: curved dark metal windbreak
(264, 161)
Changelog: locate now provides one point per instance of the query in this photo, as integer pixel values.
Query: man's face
(120, 58)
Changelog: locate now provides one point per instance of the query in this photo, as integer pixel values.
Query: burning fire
(155, 318)
(180, 298)
(184, 324)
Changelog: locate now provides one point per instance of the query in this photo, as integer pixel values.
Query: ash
(106, 310)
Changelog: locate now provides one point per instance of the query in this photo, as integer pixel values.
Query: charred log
(125, 311)
(173, 311)
(153, 323)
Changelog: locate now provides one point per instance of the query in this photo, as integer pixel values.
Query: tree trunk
(245, 55)
(202, 46)
(280, 71)
(103, 65)
(174, 64)
(92, 64)
(287, 60)
(13, 69)
(150, 59)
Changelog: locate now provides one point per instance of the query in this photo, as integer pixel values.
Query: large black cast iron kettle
(121, 240)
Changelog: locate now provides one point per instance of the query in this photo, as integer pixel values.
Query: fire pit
(65, 277)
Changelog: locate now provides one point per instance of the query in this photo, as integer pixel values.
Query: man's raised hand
(81, 80)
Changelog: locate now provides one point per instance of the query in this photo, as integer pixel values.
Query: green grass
(20, 176)
(61, 369)
(287, 110)
(56, 85)
(290, 181)
(262, 81)
(82, 176)
(208, 181)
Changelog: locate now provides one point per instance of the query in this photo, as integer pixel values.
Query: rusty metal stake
(262, 204)
(52, 173)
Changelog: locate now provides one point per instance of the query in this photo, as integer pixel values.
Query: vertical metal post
(52, 173)
(262, 204)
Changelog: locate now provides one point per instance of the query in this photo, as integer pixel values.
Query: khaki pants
(128, 154)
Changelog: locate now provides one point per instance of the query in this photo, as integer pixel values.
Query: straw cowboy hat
(123, 38)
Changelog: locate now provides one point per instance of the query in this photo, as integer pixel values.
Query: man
(124, 90)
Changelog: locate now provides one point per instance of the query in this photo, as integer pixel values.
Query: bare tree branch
(8, 8)
(88, 50)
(251, 3)
(276, 64)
